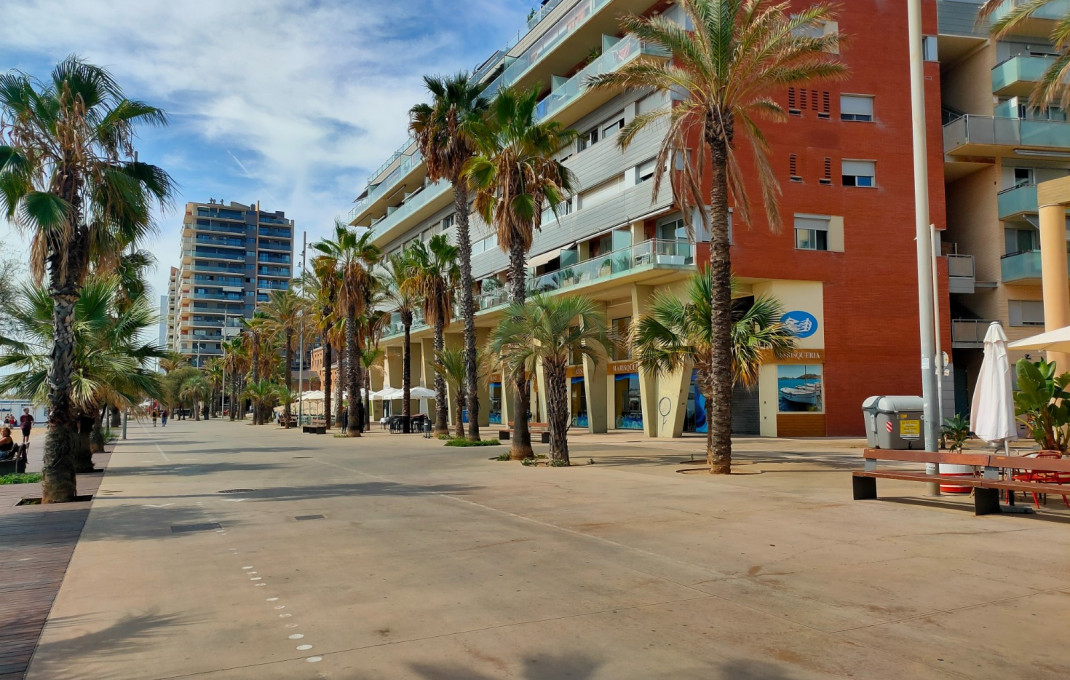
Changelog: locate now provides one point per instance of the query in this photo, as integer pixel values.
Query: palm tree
(724, 76)
(371, 358)
(263, 394)
(549, 330)
(515, 175)
(433, 277)
(444, 133)
(284, 311)
(402, 299)
(450, 365)
(70, 178)
(1052, 85)
(324, 289)
(213, 374)
(111, 362)
(679, 332)
(236, 364)
(353, 256)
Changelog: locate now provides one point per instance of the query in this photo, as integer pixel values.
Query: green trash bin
(894, 422)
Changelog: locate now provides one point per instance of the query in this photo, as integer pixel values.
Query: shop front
(577, 397)
(627, 398)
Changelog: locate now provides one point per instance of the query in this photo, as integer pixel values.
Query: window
(858, 173)
(1023, 176)
(1021, 240)
(587, 139)
(1026, 312)
(613, 125)
(928, 48)
(619, 330)
(645, 170)
(447, 222)
(793, 168)
(811, 232)
(601, 193)
(856, 107)
(672, 229)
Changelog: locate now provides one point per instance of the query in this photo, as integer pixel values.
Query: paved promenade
(220, 550)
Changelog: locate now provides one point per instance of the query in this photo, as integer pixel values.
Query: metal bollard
(427, 428)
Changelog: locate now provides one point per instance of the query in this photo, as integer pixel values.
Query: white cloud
(290, 102)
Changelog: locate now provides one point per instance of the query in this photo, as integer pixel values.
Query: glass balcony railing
(271, 257)
(1017, 201)
(220, 241)
(273, 271)
(565, 27)
(1054, 10)
(272, 284)
(655, 253)
(215, 254)
(1020, 266)
(395, 327)
(232, 297)
(277, 233)
(391, 180)
(219, 280)
(270, 219)
(998, 131)
(428, 194)
(619, 54)
(1018, 75)
(203, 267)
(966, 333)
(219, 227)
(536, 17)
(273, 245)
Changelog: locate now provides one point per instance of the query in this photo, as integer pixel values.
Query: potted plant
(1041, 402)
(956, 431)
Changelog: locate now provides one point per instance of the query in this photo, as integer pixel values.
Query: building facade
(233, 257)
(843, 266)
(997, 150)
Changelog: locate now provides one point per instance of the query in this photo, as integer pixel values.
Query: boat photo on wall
(799, 388)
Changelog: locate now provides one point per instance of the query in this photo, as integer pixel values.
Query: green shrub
(530, 462)
(557, 462)
(504, 455)
(21, 478)
(460, 441)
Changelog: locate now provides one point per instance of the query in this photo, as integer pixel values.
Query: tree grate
(237, 490)
(304, 517)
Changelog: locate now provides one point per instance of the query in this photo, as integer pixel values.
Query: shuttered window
(856, 107)
(859, 173)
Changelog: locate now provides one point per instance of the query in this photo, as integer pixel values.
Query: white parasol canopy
(415, 392)
(992, 413)
(1057, 340)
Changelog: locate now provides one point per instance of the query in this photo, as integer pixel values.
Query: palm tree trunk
(196, 411)
(521, 443)
(457, 416)
(353, 360)
(719, 408)
(468, 308)
(361, 413)
(558, 410)
(367, 402)
(406, 373)
(96, 433)
(84, 454)
(289, 378)
(442, 425)
(327, 382)
(58, 481)
(339, 386)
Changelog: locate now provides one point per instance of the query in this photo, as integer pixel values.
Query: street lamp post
(922, 238)
(301, 367)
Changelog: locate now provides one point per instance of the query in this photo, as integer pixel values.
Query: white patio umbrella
(992, 413)
(1057, 340)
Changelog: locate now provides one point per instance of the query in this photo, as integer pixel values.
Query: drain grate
(184, 528)
(302, 456)
(237, 490)
(304, 517)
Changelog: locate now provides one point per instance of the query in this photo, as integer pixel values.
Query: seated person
(7, 444)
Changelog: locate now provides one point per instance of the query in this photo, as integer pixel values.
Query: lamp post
(301, 366)
(922, 238)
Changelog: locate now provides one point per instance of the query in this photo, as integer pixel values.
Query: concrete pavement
(395, 557)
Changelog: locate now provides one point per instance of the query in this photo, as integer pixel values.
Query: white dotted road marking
(303, 648)
(273, 599)
(249, 567)
(257, 578)
(296, 636)
(292, 625)
(259, 584)
(314, 659)
(281, 606)
(285, 616)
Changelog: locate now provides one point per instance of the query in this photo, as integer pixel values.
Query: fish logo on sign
(802, 324)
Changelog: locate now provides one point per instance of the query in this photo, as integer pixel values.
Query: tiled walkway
(36, 543)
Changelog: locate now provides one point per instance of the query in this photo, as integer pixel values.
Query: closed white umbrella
(992, 413)
(421, 392)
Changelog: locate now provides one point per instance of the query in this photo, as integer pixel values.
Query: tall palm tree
(450, 365)
(515, 176)
(354, 256)
(1052, 87)
(324, 291)
(549, 330)
(213, 375)
(263, 394)
(444, 133)
(69, 177)
(680, 331)
(724, 76)
(112, 364)
(195, 390)
(284, 312)
(402, 299)
(434, 274)
(236, 363)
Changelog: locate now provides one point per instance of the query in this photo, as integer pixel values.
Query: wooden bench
(541, 429)
(316, 426)
(997, 474)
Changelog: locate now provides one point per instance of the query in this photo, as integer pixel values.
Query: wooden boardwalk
(36, 543)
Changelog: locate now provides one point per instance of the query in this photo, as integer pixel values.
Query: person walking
(26, 423)
(155, 415)
(345, 419)
(163, 418)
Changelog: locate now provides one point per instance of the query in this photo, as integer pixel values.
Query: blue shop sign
(802, 324)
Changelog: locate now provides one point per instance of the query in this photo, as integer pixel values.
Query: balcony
(423, 203)
(274, 271)
(655, 254)
(215, 227)
(1022, 268)
(998, 136)
(202, 267)
(270, 219)
(214, 254)
(1042, 21)
(1017, 76)
(215, 241)
(272, 285)
(229, 297)
(969, 333)
(221, 213)
(270, 257)
(961, 272)
(402, 177)
(276, 233)
(272, 245)
(562, 99)
(1017, 201)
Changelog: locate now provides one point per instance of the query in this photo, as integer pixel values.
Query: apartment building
(996, 151)
(844, 265)
(233, 257)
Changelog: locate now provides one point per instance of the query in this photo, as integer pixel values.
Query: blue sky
(289, 102)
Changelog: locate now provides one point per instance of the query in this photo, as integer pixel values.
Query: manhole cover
(183, 528)
(237, 491)
(304, 517)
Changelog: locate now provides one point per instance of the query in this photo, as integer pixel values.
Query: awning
(539, 260)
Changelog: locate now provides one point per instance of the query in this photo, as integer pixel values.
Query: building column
(538, 385)
(392, 363)
(595, 389)
(672, 400)
(1053, 272)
